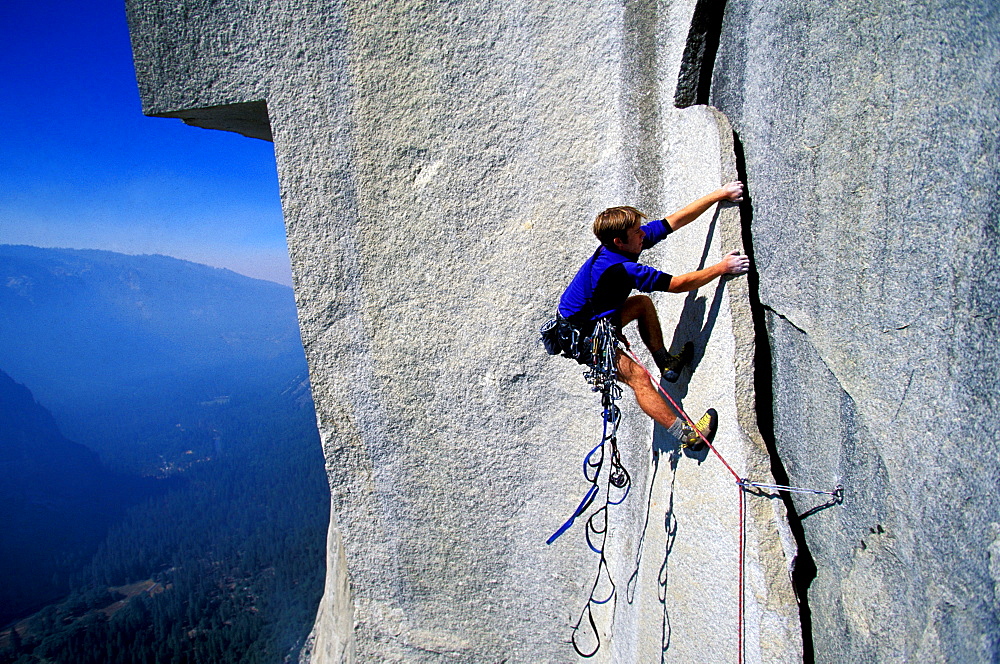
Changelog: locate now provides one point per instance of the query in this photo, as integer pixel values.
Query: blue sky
(81, 167)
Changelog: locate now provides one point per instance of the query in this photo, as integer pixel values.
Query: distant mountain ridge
(107, 341)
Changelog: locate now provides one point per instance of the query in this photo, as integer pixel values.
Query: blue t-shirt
(605, 281)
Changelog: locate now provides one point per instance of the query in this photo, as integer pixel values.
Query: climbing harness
(603, 347)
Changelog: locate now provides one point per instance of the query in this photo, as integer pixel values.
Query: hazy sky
(81, 167)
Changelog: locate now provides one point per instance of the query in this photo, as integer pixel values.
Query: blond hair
(615, 222)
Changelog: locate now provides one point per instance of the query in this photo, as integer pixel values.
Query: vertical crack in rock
(694, 81)
(803, 567)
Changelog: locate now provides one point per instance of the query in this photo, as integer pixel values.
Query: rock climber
(602, 288)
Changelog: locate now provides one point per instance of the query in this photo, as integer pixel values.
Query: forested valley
(216, 552)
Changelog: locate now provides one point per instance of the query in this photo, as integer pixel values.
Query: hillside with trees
(57, 501)
(206, 485)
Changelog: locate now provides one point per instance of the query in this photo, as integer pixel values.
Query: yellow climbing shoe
(707, 425)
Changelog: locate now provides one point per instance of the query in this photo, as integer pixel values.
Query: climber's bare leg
(648, 399)
(640, 308)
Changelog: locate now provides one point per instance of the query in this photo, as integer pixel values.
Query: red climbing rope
(680, 410)
(739, 619)
(742, 485)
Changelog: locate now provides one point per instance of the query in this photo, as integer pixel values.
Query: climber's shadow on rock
(695, 325)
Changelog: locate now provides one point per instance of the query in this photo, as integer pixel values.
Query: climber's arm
(732, 263)
(732, 192)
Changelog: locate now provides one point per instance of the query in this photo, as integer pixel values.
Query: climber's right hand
(735, 263)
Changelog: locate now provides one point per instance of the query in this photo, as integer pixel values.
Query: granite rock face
(440, 164)
(870, 141)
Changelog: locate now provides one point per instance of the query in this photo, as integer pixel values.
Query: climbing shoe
(707, 425)
(675, 363)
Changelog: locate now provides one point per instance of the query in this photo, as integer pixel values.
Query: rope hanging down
(602, 376)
